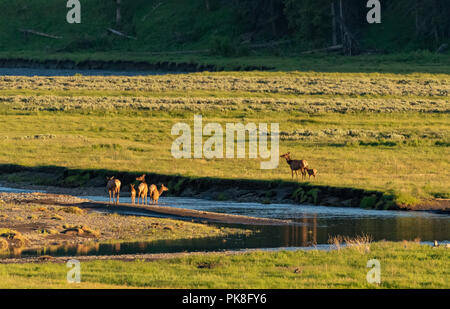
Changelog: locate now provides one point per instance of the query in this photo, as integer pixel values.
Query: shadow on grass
(265, 191)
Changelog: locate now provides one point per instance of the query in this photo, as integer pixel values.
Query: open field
(375, 131)
(403, 265)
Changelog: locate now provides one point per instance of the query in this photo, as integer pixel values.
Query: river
(311, 227)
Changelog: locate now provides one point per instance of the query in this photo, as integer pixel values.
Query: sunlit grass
(373, 131)
(403, 265)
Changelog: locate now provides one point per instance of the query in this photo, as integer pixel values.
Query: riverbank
(239, 190)
(403, 265)
(399, 63)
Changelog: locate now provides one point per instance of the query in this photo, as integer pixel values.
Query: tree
(118, 12)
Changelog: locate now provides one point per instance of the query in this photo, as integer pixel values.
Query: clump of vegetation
(3, 244)
(57, 217)
(404, 199)
(368, 202)
(48, 231)
(74, 210)
(90, 231)
(360, 243)
(79, 230)
(208, 264)
(15, 238)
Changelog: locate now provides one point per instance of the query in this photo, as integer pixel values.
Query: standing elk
(142, 189)
(113, 186)
(296, 165)
(133, 193)
(155, 194)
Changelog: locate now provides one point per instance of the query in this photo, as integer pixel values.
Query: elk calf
(113, 186)
(312, 172)
(133, 194)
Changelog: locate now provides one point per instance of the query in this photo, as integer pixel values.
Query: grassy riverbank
(383, 132)
(399, 63)
(403, 265)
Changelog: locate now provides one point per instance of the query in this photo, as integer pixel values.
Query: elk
(142, 189)
(155, 194)
(312, 172)
(113, 186)
(133, 193)
(296, 165)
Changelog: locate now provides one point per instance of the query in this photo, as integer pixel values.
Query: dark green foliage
(368, 202)
(227, 27)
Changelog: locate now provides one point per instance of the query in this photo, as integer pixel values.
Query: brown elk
(142, 189)
(133, 193)
(113, 186)
(155, 194)
(312, 172)
(296, 165)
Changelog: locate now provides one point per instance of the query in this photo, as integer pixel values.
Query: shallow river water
(71, 72)
(311, 227)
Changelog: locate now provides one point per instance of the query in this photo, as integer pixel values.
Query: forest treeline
(420, 24)
(227, 27)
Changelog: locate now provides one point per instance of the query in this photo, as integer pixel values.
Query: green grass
(403, 265)
(399, 63)
(372, 131)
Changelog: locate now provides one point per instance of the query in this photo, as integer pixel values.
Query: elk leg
(110, 197)
(118, 197)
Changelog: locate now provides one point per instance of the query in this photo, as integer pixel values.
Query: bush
(74, 210)
(3, 244)
(368, 202)
(222, 46)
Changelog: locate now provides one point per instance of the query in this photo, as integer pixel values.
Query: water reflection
(306, 232)
(71, 72)
(312, 226)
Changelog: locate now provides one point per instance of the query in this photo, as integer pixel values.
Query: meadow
(403, 265)
(375, 131)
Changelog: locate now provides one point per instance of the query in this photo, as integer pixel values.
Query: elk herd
(143, 190)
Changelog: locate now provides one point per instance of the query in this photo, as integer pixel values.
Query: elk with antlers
(113, 187)
(296, 165)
